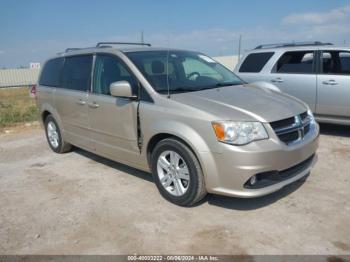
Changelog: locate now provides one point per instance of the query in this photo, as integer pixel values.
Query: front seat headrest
(157, 67)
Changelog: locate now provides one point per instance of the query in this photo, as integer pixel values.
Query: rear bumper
(230, 170)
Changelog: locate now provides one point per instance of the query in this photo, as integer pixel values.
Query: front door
(333, 84)
(295, 74)
(113, 121)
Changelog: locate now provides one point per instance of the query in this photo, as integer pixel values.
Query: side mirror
(121, 89)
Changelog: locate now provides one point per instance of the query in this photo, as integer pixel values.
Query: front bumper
(228, 172)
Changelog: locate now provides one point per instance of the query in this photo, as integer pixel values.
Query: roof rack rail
(72, 49)
(100, 44)
(316, 43)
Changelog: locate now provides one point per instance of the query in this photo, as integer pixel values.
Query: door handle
(81, 102)
(330, 82)
(277, 80)
(94, 105)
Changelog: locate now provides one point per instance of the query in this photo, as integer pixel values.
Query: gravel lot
(79, 203)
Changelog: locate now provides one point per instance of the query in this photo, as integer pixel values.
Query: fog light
(252, 180)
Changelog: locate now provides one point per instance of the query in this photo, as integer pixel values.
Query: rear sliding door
(71, 99)
(333, 84)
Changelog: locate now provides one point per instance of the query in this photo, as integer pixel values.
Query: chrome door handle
(94, 105)
(330, 82)
(277, 80)
(81, 102)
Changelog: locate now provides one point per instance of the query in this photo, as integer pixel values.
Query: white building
(18, 77)
(228, 61)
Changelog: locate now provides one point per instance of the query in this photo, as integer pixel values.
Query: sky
(33, 30)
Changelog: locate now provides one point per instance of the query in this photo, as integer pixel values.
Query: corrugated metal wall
(18, 77)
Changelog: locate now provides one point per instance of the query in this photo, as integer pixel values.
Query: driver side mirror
(121, 89)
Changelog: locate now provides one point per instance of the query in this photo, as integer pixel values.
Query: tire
(54, 138)
(168, 178)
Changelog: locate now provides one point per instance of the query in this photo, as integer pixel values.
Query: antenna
(167, 66)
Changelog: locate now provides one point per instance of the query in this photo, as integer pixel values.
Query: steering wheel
(191, 75)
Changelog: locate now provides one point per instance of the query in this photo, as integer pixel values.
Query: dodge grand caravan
(180, 115)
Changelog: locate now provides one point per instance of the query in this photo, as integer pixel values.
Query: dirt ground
(79, 203)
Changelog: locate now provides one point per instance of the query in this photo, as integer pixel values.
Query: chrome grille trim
(299, 128)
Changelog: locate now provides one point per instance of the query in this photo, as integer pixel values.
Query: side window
(109, 69)
(51, 73)
(345, 62)
(335, 62)
(300, 62)
(77, 73)
(254, 63)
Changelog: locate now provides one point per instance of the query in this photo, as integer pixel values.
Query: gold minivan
(180, 115)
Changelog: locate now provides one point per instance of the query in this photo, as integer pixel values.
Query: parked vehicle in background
(317, 73)
(180, 115)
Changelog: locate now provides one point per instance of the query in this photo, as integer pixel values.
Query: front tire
(54, 137)
(177, 173)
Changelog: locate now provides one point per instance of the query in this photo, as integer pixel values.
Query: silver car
(179, 115)
(317, 73)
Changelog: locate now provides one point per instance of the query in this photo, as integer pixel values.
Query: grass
(16, 106)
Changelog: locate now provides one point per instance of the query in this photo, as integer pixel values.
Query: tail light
(32, 91)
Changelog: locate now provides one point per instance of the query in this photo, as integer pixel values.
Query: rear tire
(54, 137)
(177, 173)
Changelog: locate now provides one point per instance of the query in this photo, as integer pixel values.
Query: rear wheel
(54, 137)
(177, 173)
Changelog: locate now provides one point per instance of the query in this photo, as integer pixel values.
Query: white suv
(317, 73)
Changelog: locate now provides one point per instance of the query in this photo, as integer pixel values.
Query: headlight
(239, 133)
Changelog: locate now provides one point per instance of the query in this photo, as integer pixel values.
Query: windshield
(182, 71)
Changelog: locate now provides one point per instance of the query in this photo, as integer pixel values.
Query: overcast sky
(32, 30)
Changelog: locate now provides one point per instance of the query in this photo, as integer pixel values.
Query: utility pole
(142, 41)
(239, 46)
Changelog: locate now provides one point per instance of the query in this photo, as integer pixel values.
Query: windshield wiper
(227, 84)
(184, 89)
(218, 85)
(176, 90)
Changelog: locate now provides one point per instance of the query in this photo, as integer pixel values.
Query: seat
(159, 77)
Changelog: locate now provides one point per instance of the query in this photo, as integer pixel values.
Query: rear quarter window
(255, 62)
(51, 73)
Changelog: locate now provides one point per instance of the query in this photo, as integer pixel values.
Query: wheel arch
(160, 137)
(47, 109)
(44, 114)
(197, 144)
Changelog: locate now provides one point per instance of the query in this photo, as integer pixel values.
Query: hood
(243, 103)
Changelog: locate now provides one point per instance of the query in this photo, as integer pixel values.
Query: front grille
(273, 177)
(307, 129)
(292, 129)
(282, 123)
(289, 137)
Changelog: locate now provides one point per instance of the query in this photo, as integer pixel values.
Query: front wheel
(177, 173)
